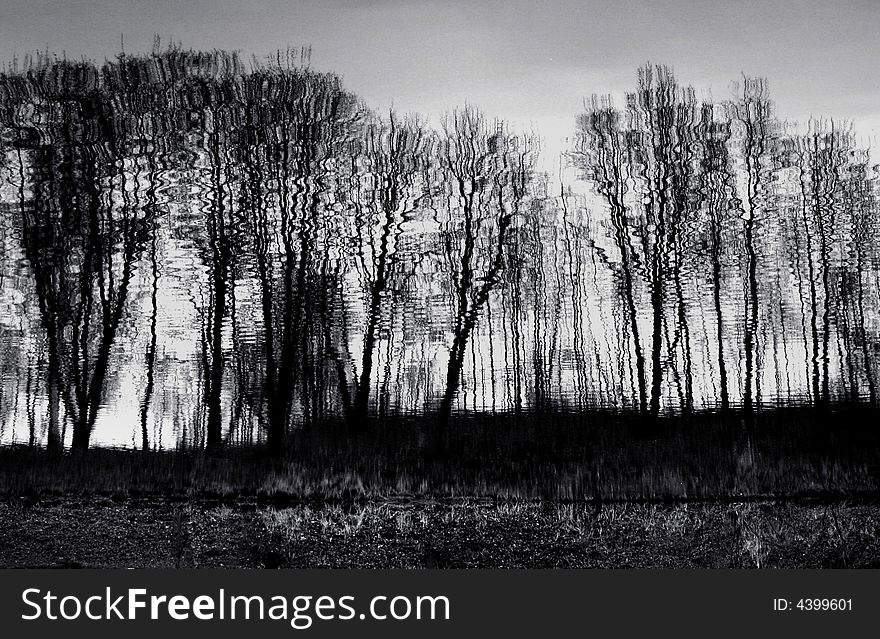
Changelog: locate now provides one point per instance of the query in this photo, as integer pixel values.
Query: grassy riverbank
(787, 488)
(97, 532)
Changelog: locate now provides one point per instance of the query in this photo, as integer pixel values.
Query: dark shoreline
(789, 452)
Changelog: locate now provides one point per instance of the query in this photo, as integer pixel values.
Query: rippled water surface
(198, 250)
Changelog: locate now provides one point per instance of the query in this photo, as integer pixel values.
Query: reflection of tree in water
(336, 265)
(81, 235)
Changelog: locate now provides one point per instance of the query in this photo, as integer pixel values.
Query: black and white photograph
(410, 284)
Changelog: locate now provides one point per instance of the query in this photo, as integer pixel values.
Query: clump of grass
(180, 535)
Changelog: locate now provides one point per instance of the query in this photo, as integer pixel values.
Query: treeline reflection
(195, 248)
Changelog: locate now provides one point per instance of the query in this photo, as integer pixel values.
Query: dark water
(198, 250)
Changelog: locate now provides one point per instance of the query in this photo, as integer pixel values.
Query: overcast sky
(521, 59)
